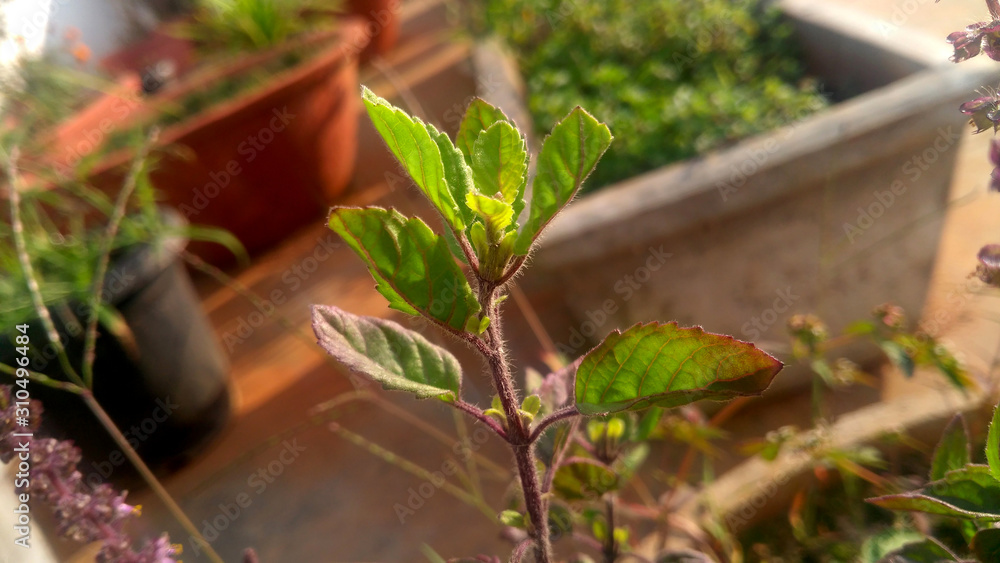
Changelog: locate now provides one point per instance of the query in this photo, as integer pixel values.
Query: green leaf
(500, 164)
(457, 174)
(927, 551)
(616, 429)
(531, 404)
(412, 266)
(986, 544)
(496, 214)
(582, 480)
(648, 424)
(479, 116)
(970, 492)
(881, 544)
(397, 358)
(898, 356)
(431, 555)
(454, 246)
(952, 451)
(568, 156)
(668, 366)
(993, 444)
(512, 518)
(428, 156)
(821, 368)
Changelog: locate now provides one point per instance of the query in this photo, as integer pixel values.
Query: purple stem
(481, 416)
(552, 418)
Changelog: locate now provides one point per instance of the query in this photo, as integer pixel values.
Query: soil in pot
(167, 388)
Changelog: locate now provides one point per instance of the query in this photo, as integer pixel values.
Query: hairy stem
(13, 184)
(43, 379)
(90, 336)
(478, 414)
(537, 507)
(548, 420)
(518, 433)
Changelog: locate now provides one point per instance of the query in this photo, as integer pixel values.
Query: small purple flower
(984, 112)
(981, 37)
(995, 159)
(82, 513)
(988, 269)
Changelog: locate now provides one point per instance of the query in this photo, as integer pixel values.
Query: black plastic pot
(167, 387)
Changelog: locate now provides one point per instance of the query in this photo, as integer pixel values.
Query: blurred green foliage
(672, 78)
(254, 25)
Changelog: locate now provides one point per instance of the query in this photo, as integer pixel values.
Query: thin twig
(552, 418)
(13, 184)
(520, 551)
(558, 455)
(117, 214)
(43, 379)
(470, 463)
(411, 468)
(479, 415)
(148, 476)
(411, 419)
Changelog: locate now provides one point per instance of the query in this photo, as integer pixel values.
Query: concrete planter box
(833, 215)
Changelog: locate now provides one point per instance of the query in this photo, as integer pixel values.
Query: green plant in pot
(673, 78)
(97, 304)
(261, 132)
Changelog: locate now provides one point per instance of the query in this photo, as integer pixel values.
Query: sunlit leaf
(430, 158)
(568, 156)
(952, 451)
(397, 358)
(412, 266)
(993, 444)
(970, 492)
(479, 116)
(500, 164)
(668, 366)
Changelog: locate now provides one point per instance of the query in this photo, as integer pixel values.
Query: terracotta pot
(382, 26)
(263, 164)
(160, 45)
